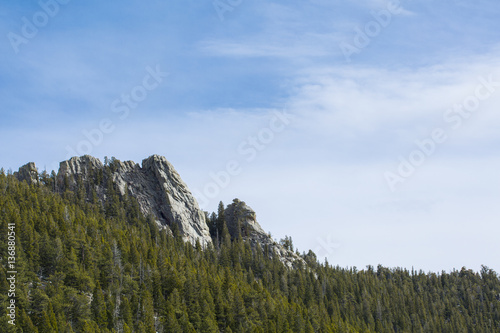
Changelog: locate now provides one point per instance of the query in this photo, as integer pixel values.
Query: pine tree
(126, 329)
(98, 306)
(170, 322)
(90, 327)
(221, 220)
(148, 313)
(52, 317)
(126, 312)
(25, 322)
(44, 326)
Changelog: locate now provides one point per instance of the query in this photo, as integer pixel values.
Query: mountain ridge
(161, 193)
(86, 266)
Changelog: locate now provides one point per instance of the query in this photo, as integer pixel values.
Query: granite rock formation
(242, 220)
(28, 172)
(155, 185)
(160, 193)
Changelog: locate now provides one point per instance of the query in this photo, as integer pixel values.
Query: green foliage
(88, 267)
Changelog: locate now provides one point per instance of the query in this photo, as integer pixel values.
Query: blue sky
(330, 146)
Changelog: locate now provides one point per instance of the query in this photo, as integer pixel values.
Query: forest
(87, 266)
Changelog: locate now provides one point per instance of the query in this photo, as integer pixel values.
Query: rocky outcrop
(78, 167)
(155, 185)
(161, 193)
(28, 173)
(242, 220)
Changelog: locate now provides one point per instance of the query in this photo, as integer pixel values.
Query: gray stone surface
(83, 166)
(156, 185)
(28, 173)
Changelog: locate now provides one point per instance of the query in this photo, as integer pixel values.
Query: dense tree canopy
(84, 266)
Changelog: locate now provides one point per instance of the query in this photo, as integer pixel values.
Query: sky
(367, 130)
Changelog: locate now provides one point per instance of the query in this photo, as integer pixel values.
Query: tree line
(90, 266)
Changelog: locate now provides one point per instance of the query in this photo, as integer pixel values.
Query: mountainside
(159, 191)
(101, 248)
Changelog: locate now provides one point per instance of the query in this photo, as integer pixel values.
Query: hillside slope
(86, 264)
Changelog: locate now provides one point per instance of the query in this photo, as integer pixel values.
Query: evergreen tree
(99, 311)
(45, 326)
(52, 317)
(147, 317)
(221, 220)
(25, 322)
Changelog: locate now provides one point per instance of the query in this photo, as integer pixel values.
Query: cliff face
(28, 172)
(155, 185)
(242, 220)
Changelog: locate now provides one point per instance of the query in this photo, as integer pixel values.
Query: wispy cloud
(285, 46)
(367, 100)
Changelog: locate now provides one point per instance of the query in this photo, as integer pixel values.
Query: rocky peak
(27, 172)
(80, 165)
(242, 220)
(75, 167)
(156, 186)
(174, 200)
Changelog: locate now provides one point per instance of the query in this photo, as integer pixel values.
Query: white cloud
(367, 100)
(283, 46)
